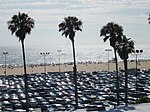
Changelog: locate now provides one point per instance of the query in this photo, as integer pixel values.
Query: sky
(130, 14)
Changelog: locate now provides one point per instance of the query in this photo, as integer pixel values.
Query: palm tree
(69, 27)
(149, 19)
(124, 49)
(113, 32)
(21, 25)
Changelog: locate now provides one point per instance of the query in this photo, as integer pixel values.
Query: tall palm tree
(113, 32)
(68, 28)
(124, 49)
(21, 25)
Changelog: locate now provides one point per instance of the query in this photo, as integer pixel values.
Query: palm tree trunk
(75, 75)
(25, 77)
(126, 81)
(117, 79)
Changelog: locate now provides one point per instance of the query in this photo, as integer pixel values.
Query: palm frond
(106, 38)
(66, 33)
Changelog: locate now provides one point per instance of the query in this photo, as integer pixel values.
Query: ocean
(84, 53)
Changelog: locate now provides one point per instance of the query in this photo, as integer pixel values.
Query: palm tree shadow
(131, 108)
(122, 109)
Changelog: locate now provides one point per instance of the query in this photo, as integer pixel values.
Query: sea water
(85, 53)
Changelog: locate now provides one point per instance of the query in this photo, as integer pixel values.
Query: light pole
(44, 54)
(59, 58)
(5, 53)
(108, 50)
(136, 53)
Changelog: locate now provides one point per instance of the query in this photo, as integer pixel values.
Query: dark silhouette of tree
(68, 28)
(21, 25)
(113, 32)
(124, 49)
(149, 19)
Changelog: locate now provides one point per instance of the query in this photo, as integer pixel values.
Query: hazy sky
(131, 14)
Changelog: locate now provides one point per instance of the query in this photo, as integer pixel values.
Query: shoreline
(81, 66)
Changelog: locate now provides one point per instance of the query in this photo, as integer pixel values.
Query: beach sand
(88, 67)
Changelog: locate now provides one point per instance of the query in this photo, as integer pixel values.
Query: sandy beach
(88, 67)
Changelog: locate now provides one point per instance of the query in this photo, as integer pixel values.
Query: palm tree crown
(21, 25)
(69, 26)
(125, 47)
(113, 32)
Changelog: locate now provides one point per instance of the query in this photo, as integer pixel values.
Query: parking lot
(55, 91)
